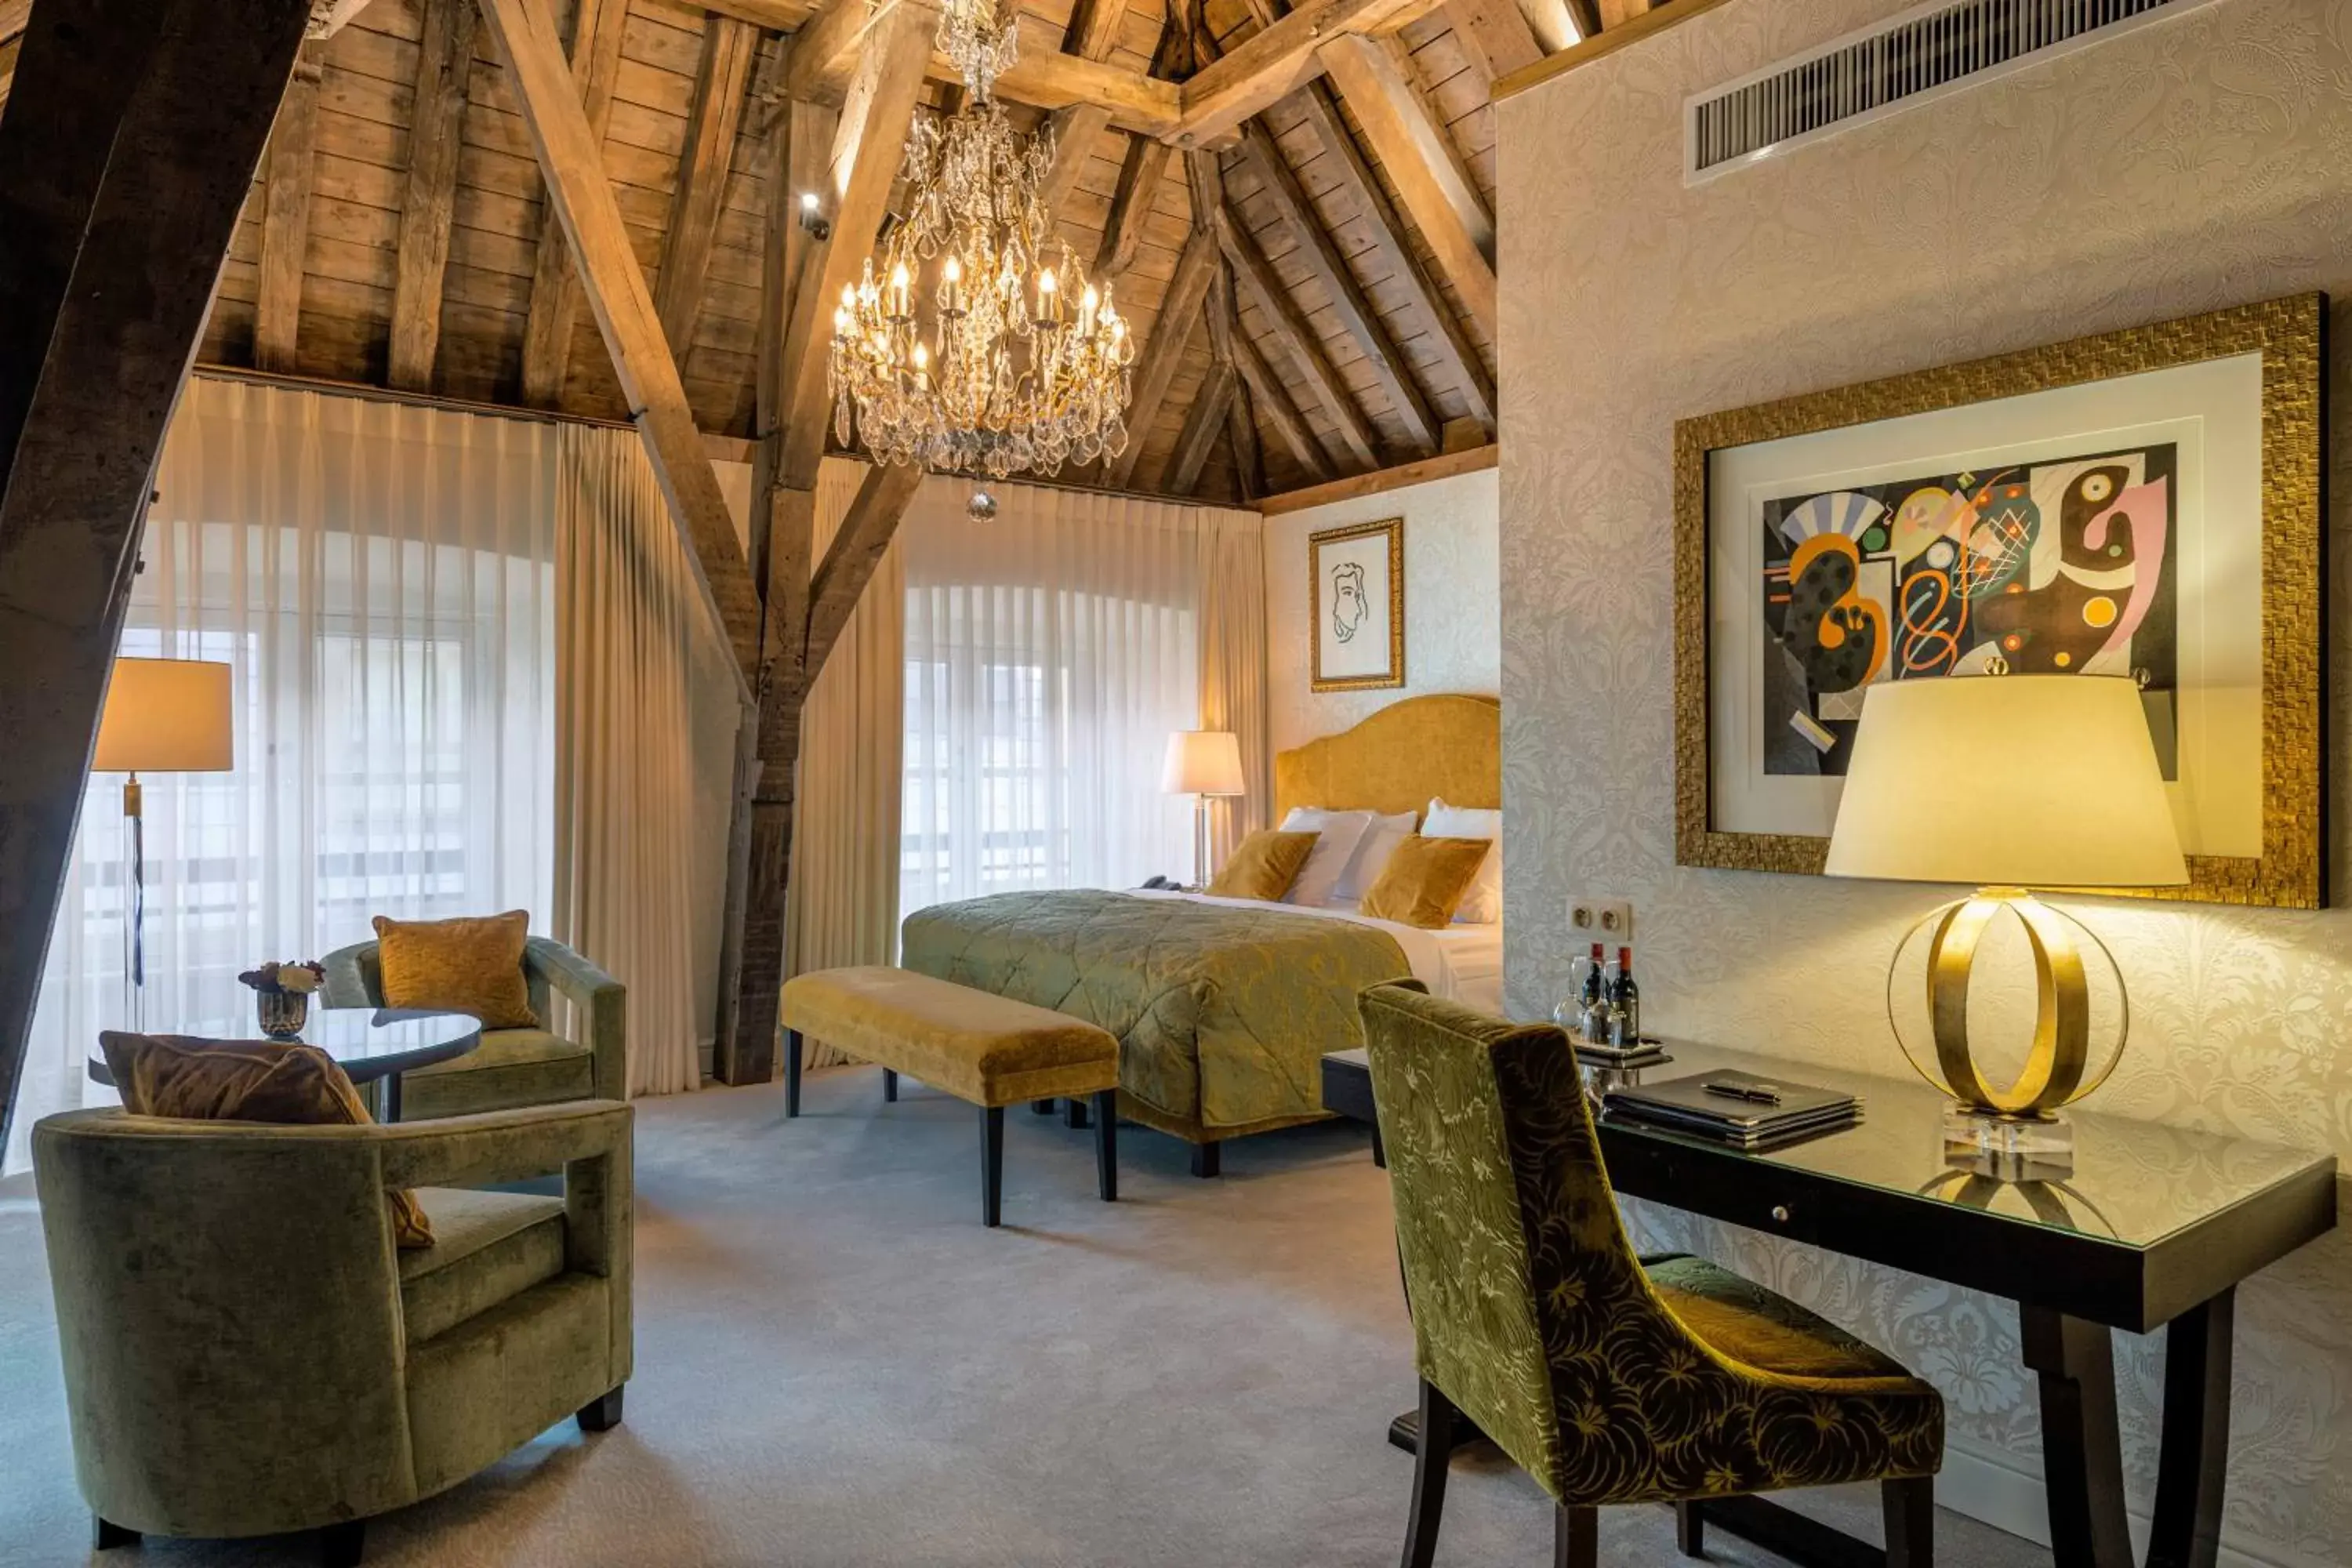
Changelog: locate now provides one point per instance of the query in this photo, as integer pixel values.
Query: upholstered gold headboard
(1399, 759)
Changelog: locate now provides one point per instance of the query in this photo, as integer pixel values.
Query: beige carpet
(837, 1364)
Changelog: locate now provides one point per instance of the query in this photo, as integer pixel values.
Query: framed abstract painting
(2144, 503)
(1355, 602)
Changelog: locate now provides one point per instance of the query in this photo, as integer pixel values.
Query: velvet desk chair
(247, 1353)
(510, 1067)
(1608, 1379)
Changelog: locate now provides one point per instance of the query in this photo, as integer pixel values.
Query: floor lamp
(1205, 764)
(162, 716)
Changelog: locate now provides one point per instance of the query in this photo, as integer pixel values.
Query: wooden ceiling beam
(130, 148)
(1496, 34)
(1079, 128)
(1291, 332)
(1459, 355)
(1241, 435)
(1617, 13)
(1146, 165)
(856, 550)
(778, 15)
(1204, 422)
(1561, 24)
(596, 63)
(1412, 146)
(1180, 312)
(444, 63)
(728, 49)
(1268, 396)
(338, 16)
(1275, 61)
(1323, 263)
(286, 217)
(581, 198)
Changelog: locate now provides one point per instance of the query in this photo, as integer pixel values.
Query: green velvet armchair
(1608, 1378)
(511, 1067)
(247, 1353)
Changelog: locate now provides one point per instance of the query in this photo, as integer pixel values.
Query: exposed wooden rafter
(1316, 252)
(1145, 167)
(596, 32)
(1079, 128)
(444, 64)
(1291, 332)
(850, 559)
(1429, 178)
(1155, 368)
(1497, 36)
(1277, 60)
(585, 207)
(729, 48)
(286, 217)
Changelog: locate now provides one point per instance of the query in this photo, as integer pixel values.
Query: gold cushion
(1426, 880)
(286, 1082)
(988, 1049)
(470, 965)
(1762, 1329)
(1264, 865)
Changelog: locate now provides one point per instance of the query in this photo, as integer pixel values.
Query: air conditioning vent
(1907, 60)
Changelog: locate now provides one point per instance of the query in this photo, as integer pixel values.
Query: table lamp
(2009, 781)
(162, 716)
(1204, 765)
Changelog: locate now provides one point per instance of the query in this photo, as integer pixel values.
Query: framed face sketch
(2143, 504)
(1355, 601)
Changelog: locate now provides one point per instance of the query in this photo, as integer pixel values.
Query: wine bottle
(1624, 1003)
(1594, 1015)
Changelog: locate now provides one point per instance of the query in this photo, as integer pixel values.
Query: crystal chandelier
(965, 348)
(983, 37)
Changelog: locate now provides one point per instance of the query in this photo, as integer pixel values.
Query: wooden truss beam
(849, 560)
(1203, 423)
(1269, 397)
(1323, 263)
(1412, 146)
(1276, 61)
(129, 149)
(596, 31)
(444, 62)
(1079, 129)
(1362, 188)
(729, 48)
(1295, 337)
(1171, 329)
(1496, 34)
(565, 142)
(286, 218)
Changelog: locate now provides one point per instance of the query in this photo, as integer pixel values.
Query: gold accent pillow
(472, 966)
(281, 1081)
(1426, 880)
(1264, 865)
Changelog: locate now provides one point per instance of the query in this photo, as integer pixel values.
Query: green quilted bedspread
(1222, 1015)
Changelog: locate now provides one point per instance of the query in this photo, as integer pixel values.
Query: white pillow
(1372, 856)
(1483, 904)
(1337, 833)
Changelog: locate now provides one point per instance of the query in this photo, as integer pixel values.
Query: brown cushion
(1264, 865)
(1426, 880)
(285, 1082)
(471, 965)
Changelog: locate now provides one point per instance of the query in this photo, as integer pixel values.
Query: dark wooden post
(132, 133)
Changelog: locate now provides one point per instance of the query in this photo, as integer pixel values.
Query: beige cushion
(985, 1048)
(490, 1247)
(472, 966)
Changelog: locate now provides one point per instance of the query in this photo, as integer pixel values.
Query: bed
(1225, 1007)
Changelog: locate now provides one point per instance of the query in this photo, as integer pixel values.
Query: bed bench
(989, 1050)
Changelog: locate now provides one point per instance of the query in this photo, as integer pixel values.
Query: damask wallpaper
(2195, 163)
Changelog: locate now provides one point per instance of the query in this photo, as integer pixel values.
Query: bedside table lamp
(162, 716)
(2009, 781)
(1205, 764)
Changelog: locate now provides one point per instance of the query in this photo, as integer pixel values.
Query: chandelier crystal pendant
(965, 346)
(983, 37)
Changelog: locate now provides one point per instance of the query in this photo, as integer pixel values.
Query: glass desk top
(370, 1042)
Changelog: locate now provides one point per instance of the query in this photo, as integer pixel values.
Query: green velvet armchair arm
(355, 979)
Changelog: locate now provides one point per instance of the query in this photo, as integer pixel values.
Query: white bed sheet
(1462, 963)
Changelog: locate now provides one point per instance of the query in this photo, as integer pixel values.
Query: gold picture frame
(1356, 557)
(2290, 336)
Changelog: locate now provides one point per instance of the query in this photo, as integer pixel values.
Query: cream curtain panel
(1048, 655)
(382, 580)
(1231, 547)
(844, 903)
(639, 660)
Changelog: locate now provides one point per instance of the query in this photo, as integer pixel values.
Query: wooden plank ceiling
(1310, 186)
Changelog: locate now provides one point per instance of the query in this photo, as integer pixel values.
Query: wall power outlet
(1608, 921)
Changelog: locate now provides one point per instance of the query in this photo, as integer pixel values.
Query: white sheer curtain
(382, 579)
(1048, 654)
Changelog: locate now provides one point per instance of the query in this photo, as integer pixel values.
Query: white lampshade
(1204, 762)
(165, 716)
(2027, 781)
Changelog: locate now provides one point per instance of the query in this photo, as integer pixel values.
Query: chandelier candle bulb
(952, 288)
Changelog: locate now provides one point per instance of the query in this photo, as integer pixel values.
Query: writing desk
(2154, 1228)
